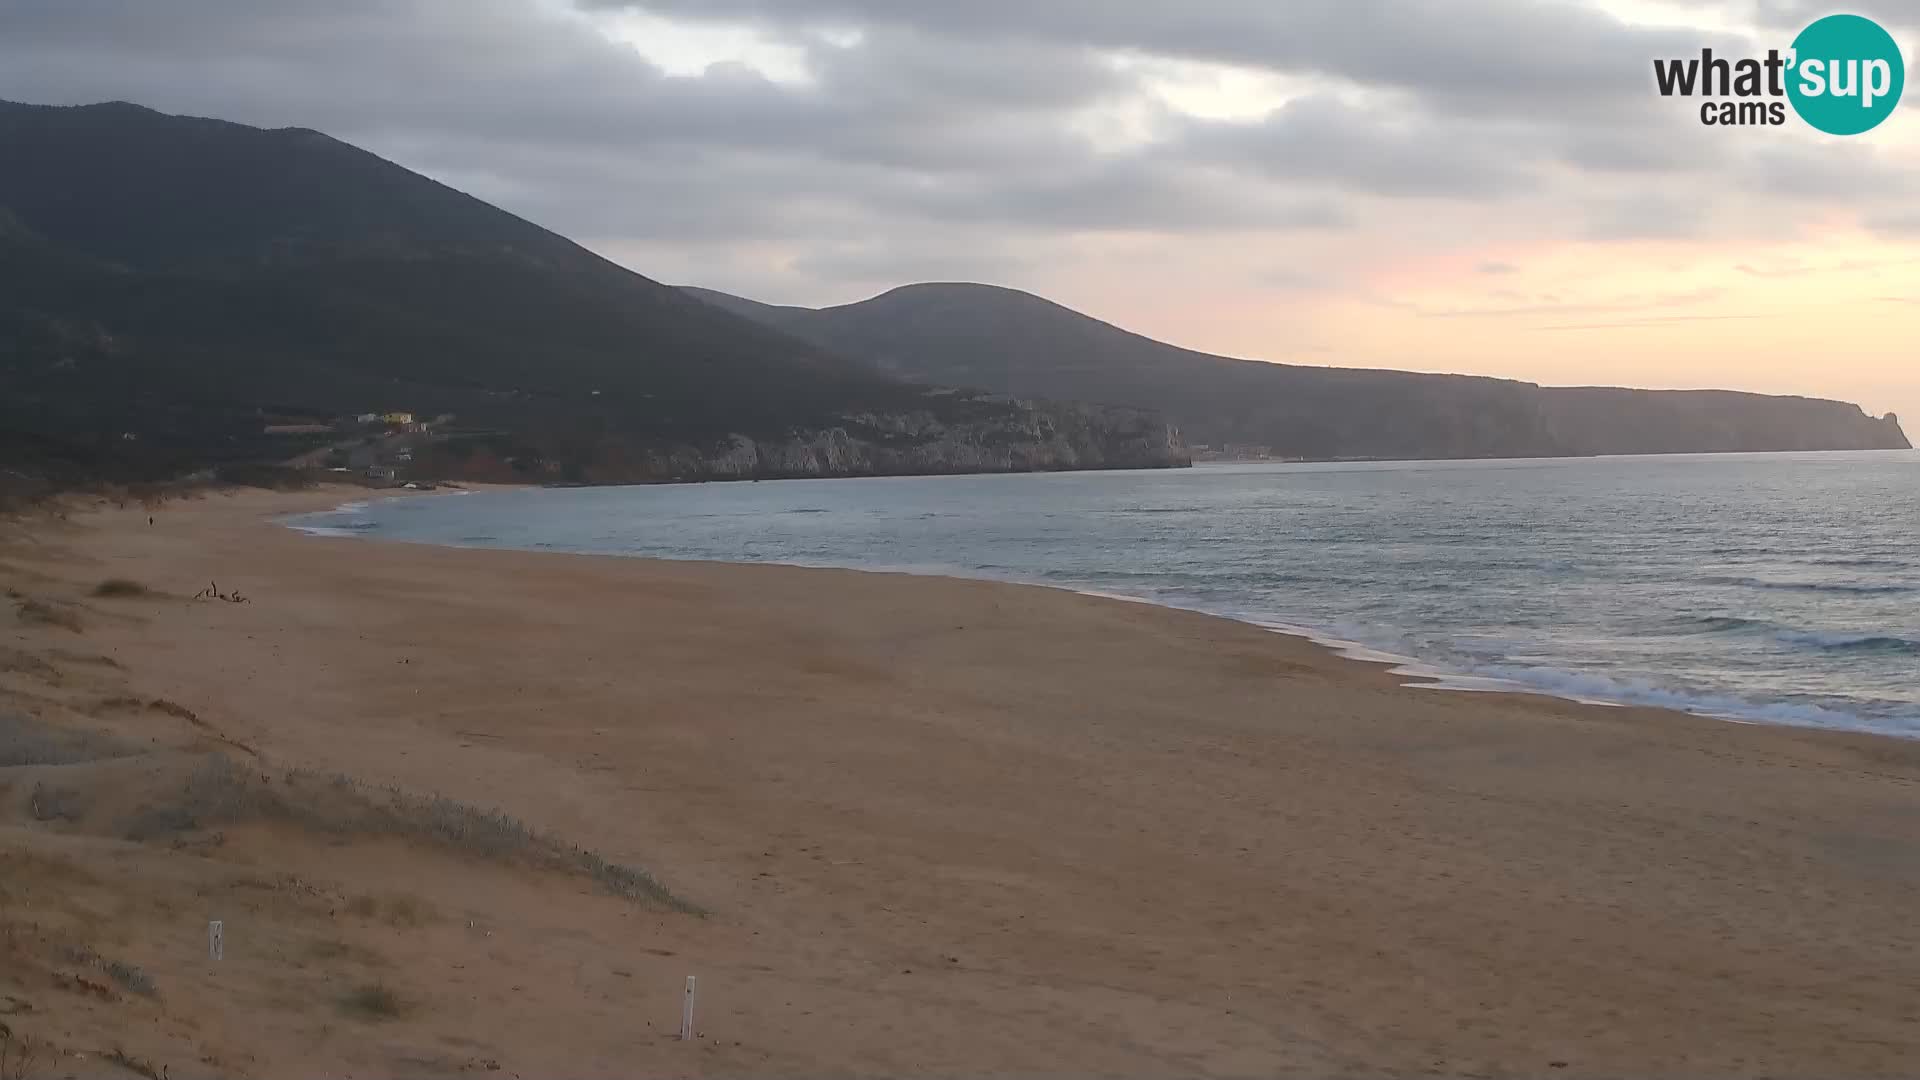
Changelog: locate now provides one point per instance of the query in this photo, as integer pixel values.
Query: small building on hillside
(383, 474)
(398, 418)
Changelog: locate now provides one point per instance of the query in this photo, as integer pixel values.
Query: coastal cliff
(989, 434)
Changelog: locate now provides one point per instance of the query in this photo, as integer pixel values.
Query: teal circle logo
(1848, 74)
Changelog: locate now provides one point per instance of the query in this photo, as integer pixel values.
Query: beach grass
(373, 1001)
(221, 791)
(33, 610)
(25, 741)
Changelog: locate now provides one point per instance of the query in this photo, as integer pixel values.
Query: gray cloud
(1134, 193)
(1322, 140)
(1296, 280)
(1649, 215)
(1838, 171)
(1552, 305)
(1663, 144)
(882, 264)
(913, 71)
(1523, 55)
(498, 69)
(1896, 224)
(1793, 15)
(935, 137)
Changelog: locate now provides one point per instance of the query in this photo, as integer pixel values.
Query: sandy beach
(935, 827)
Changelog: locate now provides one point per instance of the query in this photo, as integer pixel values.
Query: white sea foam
(348, 519)
(1581, 687)
(1588, 686)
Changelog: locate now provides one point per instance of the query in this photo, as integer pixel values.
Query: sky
(1483, 186)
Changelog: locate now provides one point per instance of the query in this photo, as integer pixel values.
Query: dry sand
(939, 827)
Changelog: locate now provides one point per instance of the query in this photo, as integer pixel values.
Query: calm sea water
(1777, 587)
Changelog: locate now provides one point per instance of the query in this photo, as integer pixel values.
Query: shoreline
(1429, 677)
(1602, 691)
(938, 825)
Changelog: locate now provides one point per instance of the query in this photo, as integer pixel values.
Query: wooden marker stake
(686, 1013)
(216, 940)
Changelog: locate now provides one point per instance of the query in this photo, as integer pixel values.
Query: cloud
(1896, 224)
(1840, 172)
(1551, 304)
(1654, 146)
(1651, 322)
(1328, 142)
(911, 71)
(1293, 279)
(1650, 215)
(1793, 15)
(1521, 55)
(1127, 194)
(927, 138)
(882, 265)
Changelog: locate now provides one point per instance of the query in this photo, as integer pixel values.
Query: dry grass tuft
(373, 1001)
(56, 804)
(334, 951)
(174, 709)
(133, 1064)
(39, 611)
(30, 665)
(221, 792)
(26, 741)
(396, 909)
(130, 978)
(122, 701)
(20, 1055)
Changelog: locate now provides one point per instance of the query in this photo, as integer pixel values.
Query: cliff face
(995, 435)
(1031, 437)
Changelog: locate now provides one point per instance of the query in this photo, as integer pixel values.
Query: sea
(1766, 588)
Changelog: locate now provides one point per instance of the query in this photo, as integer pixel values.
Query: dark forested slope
(169, 285)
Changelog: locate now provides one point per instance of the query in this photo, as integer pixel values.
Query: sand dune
(936, 826)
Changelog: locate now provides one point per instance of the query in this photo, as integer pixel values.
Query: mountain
(171, 287)
(1016, 343)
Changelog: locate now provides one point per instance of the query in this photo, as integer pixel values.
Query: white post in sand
(216, 940)
(686, 1013)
